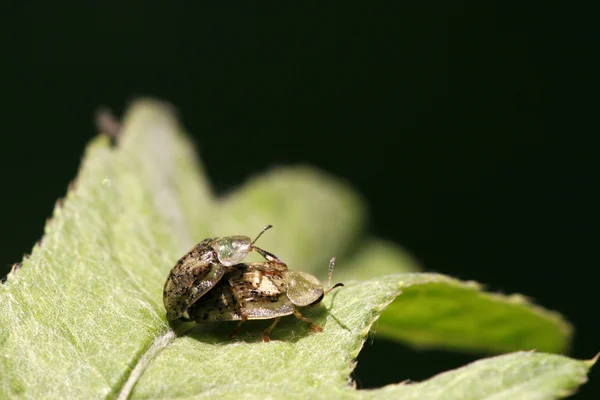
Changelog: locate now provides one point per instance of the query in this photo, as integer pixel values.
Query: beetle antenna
(266, 228)
(329, 287)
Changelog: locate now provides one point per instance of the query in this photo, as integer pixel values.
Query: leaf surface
(84, 318)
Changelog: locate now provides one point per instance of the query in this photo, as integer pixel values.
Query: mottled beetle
(202, 267)
(210, 284)
(266, 290)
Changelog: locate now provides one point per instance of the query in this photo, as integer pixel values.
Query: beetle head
(231, 250)
(303, 289)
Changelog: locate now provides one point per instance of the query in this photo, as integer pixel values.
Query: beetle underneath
(264, 290)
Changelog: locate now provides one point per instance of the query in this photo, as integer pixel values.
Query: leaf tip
(590, 363)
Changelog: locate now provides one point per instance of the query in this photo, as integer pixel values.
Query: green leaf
(83, 317)
(437, 311)
(522, 375)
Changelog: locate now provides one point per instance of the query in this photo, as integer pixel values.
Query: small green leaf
(437, 311)
(84, 316)
(523, 375)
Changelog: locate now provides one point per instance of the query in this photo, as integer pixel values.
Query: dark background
(464, 126)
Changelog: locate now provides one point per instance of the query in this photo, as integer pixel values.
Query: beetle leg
(268, 256)
(238, 327)
(313, 327)
(267, 332)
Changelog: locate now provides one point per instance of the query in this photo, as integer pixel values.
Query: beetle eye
(232, 249)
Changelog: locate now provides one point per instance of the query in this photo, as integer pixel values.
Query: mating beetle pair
(210, 283)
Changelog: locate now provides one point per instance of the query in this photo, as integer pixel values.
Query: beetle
(200, 269)
(266, 290)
